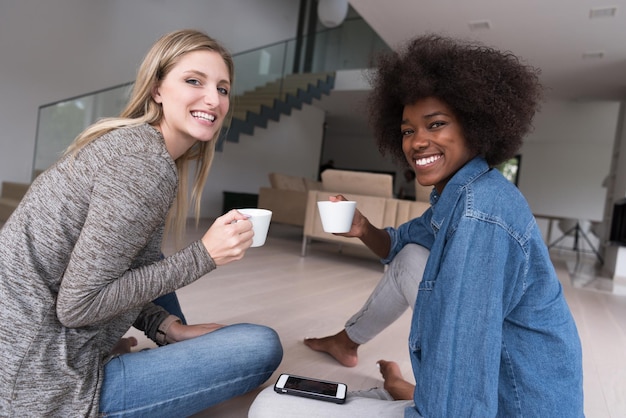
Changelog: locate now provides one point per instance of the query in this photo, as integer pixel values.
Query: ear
(156, 95)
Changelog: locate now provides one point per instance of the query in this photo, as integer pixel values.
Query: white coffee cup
(336, 216)
(260, 219)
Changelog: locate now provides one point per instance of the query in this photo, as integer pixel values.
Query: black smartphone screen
(306, 385)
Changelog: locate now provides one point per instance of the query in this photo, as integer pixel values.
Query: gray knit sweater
(79, 264)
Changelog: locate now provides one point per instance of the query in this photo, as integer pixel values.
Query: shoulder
(494, 193)
(134, 139)
(127, 158)
(126, 147)
(494, 199)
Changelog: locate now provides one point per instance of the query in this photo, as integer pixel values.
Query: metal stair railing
(256, 108)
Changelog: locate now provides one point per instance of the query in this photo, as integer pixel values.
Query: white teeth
(428, 160)
(203, 115)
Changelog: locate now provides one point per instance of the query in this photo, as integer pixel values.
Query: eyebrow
(203, 75)
(430, 115)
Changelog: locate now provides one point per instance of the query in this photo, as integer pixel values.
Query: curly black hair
(493, 95)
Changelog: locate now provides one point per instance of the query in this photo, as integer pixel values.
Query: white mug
(260, 219)
(336, 216)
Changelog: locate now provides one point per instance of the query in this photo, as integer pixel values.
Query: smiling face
(195, 100)
(433, 142)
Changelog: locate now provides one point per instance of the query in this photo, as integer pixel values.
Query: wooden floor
(314, 295)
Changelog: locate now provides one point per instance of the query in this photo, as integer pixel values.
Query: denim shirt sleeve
(415, 231)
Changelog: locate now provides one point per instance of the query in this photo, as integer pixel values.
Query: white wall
(348, 143)
(567, 157)
(55, 49)
(564, 160)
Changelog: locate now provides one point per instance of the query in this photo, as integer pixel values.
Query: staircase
(256, 107)
(11, 195)
(250, 110)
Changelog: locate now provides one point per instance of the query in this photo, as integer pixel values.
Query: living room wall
(56, 49)
(100, 44)
(291, 146)
(564, 160)
(567, 157)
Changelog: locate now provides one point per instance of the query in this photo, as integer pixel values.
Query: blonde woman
(80, 258)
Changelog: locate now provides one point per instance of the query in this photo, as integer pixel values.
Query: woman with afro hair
(491, 332)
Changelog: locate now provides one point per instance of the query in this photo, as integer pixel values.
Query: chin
(204, 136)
(203, 139)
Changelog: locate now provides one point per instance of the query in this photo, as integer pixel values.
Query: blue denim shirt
(491, 333)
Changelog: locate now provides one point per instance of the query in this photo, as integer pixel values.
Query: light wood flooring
(314, 295)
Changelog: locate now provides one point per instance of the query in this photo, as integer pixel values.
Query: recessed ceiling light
(480, 25)
(593, 55)
(602, 12)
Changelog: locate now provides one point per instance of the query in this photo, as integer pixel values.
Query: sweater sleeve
(150, 319)
(130, 198)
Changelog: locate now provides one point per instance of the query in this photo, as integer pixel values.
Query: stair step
(254, 100)
(290, 85)
(255, 108)
(307, 76)
(13, 190)
(265, 95)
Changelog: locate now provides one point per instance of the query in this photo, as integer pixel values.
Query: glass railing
(353, 45)
(60, 122)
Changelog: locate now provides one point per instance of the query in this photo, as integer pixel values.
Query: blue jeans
(184, 378)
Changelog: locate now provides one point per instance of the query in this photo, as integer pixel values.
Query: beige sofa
(286, 197)
(373, 193)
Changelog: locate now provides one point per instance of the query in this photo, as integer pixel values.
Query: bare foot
(339, 346)
(395, 384)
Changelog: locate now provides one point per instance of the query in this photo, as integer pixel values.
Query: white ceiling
(550, 34)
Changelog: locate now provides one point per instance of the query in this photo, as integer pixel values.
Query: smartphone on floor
(311, 388)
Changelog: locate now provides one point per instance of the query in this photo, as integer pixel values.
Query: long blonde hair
(142, 108)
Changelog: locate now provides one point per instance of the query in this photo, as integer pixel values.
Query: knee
(272, 344)
(265, 342)
(412, 256)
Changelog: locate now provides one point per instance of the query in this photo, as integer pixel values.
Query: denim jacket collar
(444, 202)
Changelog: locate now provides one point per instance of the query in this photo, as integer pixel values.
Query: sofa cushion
(312, 184)
(379, 211)
(287, 206)
(287, 182)
(358, 182)
(422, 193)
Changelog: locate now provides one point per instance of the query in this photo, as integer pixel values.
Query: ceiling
(553, 35)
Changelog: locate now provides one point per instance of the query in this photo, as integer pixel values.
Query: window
(510, 169)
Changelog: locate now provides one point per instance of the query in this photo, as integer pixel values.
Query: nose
(211, 96)
(420, 140)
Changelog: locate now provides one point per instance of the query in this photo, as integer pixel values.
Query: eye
(436, 124)
(223, 91)
(406, 132)
(193, 81)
